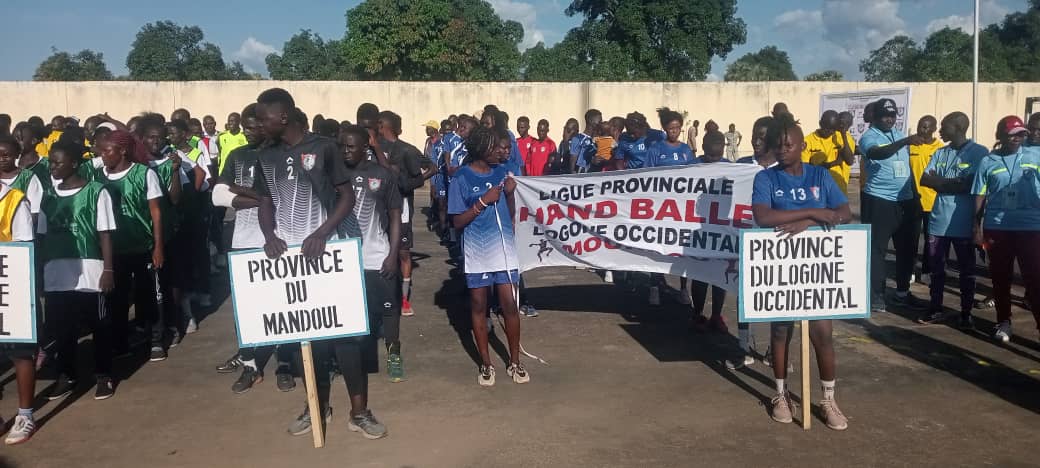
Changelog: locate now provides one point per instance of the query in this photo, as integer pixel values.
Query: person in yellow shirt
(57, 128)
(831, 149)
(920, 156)
(230, 139)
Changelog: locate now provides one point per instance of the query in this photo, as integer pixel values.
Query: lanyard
(946, 160)
(1003, 160)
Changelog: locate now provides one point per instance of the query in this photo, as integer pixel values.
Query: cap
(1011, 125)
(432, 124)
(885, 107)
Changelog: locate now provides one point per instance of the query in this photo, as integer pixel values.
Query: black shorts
(407, 236)
(18, 351)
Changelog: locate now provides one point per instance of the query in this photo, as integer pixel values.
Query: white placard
(17, 293)
(291, 299)
(814, 275)
(855, 101)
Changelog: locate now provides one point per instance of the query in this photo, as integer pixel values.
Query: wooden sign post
(815, 275)
(293, 299)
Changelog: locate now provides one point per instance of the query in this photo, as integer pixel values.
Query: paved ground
(627, 385)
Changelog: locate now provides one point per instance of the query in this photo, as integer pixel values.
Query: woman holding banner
(790, 197)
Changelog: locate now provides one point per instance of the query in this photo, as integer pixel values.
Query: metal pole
(975, 77)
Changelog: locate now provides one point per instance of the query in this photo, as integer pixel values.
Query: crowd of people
(132, 213)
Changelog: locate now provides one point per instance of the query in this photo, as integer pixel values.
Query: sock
(780, 386)
(406, 288)
(745, 341)
(828, 389)
(25, 412)
(250, 363)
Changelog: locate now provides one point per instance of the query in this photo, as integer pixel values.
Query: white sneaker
(486, 376)
(608, 277)
(192, 326)
(21, 431)
(684, 297)
(1003, 331)
(655, 296)
(518, 373)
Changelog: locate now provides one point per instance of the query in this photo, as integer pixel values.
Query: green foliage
(306, 56)
(86, 65)
(768, 64)
(826, 75)
(165, 51)
(451, 40)
(895, 60)
(658, 40)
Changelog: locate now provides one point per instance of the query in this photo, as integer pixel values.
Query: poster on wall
(855, 101)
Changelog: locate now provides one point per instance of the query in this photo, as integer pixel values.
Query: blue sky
(818, 34)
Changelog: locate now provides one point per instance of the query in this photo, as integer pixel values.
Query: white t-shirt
(188, 167)
(154, 190)
(33, 193)
(22, 224)
(77, 274)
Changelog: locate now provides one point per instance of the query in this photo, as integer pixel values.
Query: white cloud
(803, 19)
(252, 53)
(992, 12)
(524, 13)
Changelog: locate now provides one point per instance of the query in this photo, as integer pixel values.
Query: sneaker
(967, 322)
(105, 388)
(717, 324)
(22, 431)
(285, 381)
(175, 337)
(230, 365)
(684, 297)
(395, 367)
(877, 304)
(157, 354)
(302, 424)
(192, 326)
(781, 410)
(246, 381)
(740, 363)
(406, 308)
(486, 378)
(608, 277)
(62, 388)
(655, 296)
(932, 317)
(367, 425)
(518, 373)
(528, 310)
(907, 300)
(987, 303)
(1003, 331)
(832, 416)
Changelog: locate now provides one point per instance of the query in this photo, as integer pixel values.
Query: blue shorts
(481, 280)
(440, 189)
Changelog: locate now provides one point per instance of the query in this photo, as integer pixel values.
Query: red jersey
(537, 156)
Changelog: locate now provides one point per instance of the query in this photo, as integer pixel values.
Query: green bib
(72, 224)
(42, 169)
(130, 204)
(21, 181)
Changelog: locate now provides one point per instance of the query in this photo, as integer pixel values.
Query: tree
(450, 40)
(86, 65)
(944, 57)
(768, 64)
(306, 56)
(165, 51)
(1018, 37)
(659, 40)
(826, 75)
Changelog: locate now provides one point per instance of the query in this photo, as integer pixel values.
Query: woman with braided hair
(481, 200)
(790, 197)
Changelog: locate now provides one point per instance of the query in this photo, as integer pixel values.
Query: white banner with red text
(682, 221)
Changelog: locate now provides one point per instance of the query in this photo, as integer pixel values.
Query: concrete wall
(739, 103)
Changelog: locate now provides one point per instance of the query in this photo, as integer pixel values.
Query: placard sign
(17, 293)
(813, 275)
(291, 298)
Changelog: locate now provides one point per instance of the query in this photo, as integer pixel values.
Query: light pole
(975, 77)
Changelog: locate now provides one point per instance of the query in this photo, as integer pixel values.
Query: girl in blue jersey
(475, 199)
(790, 197)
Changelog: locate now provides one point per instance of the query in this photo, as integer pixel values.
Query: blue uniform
(582, 149)
(814, 189)
(515, 165)
(634, 150)
(952, 213)
(1012, 190)
(486, 248)
(664, 154)
(888, 179)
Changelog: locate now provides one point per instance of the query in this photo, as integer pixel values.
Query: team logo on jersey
(359, 179)
(308, 160)
(779, 193)
(374, 184)
(815, 192)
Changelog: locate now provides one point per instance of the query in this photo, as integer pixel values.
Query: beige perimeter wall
(739, 103)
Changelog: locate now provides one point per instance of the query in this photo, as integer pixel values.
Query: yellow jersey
(920, 156)
(227, 142)
(10, 199)
(819, 150)
(44, 147)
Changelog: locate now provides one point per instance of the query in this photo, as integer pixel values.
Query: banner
(682, 221)
(855, 101)
(17, 294)
(291, 298)
(813, 275)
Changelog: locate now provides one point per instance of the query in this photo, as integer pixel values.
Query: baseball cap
(432, 124)
(885, 107)
(1011, 125)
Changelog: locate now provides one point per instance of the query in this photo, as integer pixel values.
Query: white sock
(406, 288)
(828, 389)
(250, 363)
(26, 412)
(780, 386)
